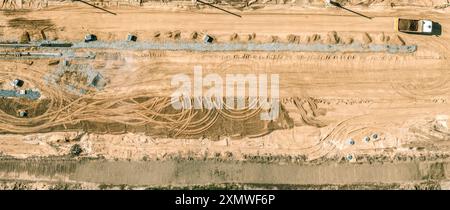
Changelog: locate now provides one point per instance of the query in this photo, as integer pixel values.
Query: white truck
(414, 26)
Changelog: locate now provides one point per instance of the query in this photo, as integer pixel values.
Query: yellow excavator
(414, 26)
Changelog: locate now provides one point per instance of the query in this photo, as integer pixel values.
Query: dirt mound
(274, 39)
(315, 38)
(173, 34)
(168, 34)
(53, 62)
(194, 35)
(384, 38)
(73, 77)
(397, 40)
(291, 38)
(347, 40)
(332, 38)
(366, 39)
(156, 34)
(234, 37)
(176, 34)
(24, 38)
(77, 78)
(251, 37)
(29, 23)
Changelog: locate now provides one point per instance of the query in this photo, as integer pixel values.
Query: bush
(75, 150)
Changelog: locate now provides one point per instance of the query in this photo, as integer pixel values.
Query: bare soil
(394, 106)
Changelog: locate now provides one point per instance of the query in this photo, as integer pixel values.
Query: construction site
(87, 91)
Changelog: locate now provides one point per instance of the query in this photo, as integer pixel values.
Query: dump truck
(414, 26)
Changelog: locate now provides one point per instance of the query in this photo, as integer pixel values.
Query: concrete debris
(27, 94)
(76, 78)
(250, 46)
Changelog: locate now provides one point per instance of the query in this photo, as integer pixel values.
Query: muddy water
(160, 173)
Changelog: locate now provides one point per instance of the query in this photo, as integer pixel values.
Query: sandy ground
(144, 174)
(328, 98)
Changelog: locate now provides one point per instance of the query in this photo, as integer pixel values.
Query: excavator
(414, 26)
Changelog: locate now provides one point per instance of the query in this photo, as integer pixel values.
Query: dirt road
(74, 20)
(299, 72)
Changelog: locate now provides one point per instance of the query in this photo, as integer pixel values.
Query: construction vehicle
(131, 38)
(21, 92)
(90, 38)
(414, 26)
(208, 39)
(17, 83)
(22, 113)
